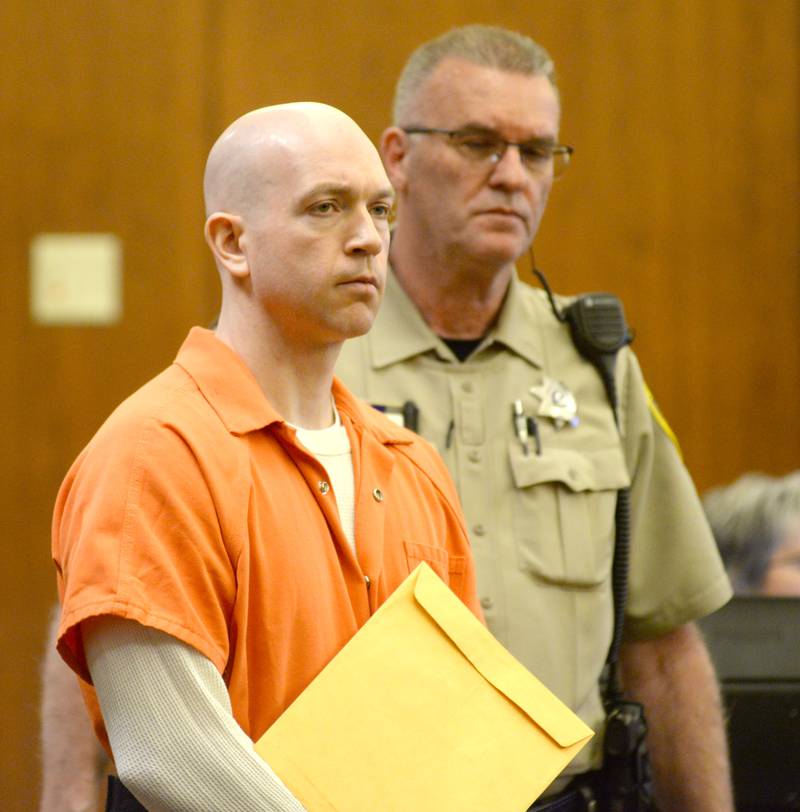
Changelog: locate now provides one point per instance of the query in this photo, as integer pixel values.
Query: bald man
(236, 520)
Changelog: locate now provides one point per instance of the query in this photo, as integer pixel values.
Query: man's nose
(365, 236)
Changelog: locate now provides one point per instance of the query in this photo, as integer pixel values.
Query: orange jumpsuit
(195, 511)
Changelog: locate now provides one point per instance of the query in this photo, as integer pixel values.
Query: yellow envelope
(422, 711)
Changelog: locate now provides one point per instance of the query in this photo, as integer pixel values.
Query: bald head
(298, 209)
(254, 152)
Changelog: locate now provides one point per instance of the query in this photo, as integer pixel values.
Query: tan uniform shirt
(542, 524)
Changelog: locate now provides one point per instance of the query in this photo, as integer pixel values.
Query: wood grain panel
(700, 235)
(102, 109)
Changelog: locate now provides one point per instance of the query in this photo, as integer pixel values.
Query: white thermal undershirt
(166, 708)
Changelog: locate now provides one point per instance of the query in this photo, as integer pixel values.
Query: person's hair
(749, 519)
(486, 45)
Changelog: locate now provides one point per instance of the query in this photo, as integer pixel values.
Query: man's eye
(479, 144)
(324, 207)
(382, 210)
(536, 153)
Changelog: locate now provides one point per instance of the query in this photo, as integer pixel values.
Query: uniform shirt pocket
(450, 568)
(564, 503)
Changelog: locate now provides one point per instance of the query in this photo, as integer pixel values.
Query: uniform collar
(400, 332)
(518, 326)
(231, 389)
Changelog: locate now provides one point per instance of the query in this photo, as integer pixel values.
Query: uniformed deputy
(480, 365)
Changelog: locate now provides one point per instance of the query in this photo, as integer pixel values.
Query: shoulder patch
(661, 420)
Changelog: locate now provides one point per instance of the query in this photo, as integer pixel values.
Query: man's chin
(499, 236)
(359, 324)
(499, 251)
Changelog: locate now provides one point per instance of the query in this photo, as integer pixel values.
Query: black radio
(627, 779)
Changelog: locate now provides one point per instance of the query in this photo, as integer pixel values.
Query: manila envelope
(422, 711)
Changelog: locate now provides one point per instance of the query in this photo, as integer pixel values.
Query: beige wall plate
(76, 279)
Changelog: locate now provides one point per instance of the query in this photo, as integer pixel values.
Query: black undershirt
(462, 347)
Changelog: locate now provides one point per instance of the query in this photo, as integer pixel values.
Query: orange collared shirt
(196, 512)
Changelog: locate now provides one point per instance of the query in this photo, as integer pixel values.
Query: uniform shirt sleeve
(176, 744)
(676, 572)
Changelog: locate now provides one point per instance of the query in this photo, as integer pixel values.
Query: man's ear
(223, 233)
(393, 149)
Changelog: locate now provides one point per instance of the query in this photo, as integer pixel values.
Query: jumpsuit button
(466, 386)
(479, 530)
(487, 603)
(377, 493)
(324, 487)
(474, 456)
(367, 582)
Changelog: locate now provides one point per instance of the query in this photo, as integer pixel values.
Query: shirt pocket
(450, 568)
(564, 502)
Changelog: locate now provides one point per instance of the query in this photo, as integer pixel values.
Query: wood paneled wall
(683, 197)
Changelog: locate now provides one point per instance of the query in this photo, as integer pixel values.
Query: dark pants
(578, 797)
(119, 799)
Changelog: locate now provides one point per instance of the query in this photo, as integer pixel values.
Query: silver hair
(486, 45)
(749, 519)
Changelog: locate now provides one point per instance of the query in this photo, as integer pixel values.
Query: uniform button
(466, 386)
(324, 487)
(487, 603)
(377, 493)
(479, 530)
(572, 473)
(367, 582)
(474, 456)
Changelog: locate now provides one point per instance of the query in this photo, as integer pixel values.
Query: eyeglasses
(538, 156)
